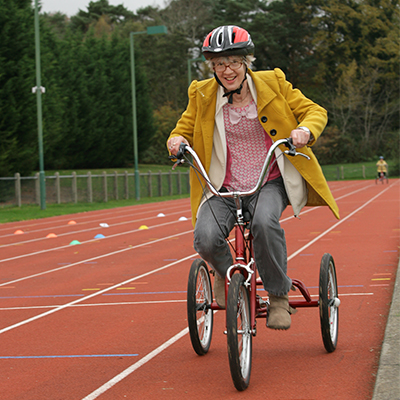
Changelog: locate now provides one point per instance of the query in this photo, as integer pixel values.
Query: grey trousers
(269, 238)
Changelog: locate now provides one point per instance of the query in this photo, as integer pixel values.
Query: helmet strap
(232, 92)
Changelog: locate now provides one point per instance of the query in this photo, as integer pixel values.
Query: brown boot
(219, 290)
(279, 312)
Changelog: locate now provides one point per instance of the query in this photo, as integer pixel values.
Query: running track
(106, 318)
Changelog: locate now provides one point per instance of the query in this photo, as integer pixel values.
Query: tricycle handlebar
(184, 148)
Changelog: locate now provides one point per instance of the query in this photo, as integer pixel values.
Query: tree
(83, 20)
(358, 49)
(18, 132)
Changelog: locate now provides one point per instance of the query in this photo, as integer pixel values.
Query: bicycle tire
(199, 314)
(328, 303)
(239, 335)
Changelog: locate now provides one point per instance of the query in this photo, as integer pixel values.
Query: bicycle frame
(244, 257)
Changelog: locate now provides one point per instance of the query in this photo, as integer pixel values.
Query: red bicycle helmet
(227, 40)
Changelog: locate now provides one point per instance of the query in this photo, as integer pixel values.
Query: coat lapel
(261, 92)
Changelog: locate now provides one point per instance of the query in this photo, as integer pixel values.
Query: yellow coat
(381, 164)
(280, 110)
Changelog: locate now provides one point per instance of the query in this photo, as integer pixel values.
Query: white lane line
(124, 303)
(155, 352)
(36, 317)
(94, 258)
(84, 230)
(137, 303)
(118, 378)
(81, 217)
(135, 366)
(84, 242)
(132, 221)
(335, 225)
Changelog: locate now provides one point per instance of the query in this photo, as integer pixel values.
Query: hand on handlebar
(178, 158)
(292, 149)
(174, 144)
(300, 138)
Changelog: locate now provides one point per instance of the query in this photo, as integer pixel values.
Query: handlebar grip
(181, 151)
(290, 146)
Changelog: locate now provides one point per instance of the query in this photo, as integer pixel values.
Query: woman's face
(230, 71)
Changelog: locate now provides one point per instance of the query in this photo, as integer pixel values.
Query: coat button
(264, 119)
(272, 132)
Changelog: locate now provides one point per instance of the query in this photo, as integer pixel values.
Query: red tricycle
(243, 305)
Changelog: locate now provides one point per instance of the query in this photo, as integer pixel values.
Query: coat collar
(261, 92)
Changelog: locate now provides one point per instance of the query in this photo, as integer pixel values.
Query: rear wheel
(239, 336)
(328, 303)
(199, 313)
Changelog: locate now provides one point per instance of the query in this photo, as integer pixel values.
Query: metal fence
(103, 187)
(90, 188)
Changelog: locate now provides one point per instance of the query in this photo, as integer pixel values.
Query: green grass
(353, 171)
(28, 212)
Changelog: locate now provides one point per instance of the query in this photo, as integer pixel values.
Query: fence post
(342, 168)
(115, 185)
(105, 186)
(37, 188)
(137, 185)
(126, 185)
(74, 188)
(179, 182)
(89, 187)
(363, 168)
(170, 182)
(58, 189)
(18, 188)
(149, 185)
(159, 183)
(188, 181)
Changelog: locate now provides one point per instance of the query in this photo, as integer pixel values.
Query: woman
(231, 121)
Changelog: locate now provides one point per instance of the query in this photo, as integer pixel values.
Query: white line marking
(137, 303)
(87, 241)
(81, 217)
(94, 258)
(8, 328)
(124, 303)
(135, 366)
(155, 352)
(335, 226)
(96, 228)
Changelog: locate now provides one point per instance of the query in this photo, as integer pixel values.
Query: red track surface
(96, 319)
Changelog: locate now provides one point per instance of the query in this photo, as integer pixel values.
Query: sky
(71, 7)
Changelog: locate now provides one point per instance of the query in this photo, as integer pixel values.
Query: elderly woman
(231, 121)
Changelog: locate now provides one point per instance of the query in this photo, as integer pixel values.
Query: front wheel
(239, 336)
(328, 303)
(199, 314)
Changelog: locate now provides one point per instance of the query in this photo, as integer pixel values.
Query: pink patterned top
(247, 147)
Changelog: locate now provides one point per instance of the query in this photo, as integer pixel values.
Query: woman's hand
(174, 143)
(300, 137)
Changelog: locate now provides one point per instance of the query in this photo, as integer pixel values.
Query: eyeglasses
(221, 66)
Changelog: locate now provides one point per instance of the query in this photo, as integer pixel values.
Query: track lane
(155, 373)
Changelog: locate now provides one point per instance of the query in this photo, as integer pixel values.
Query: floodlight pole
(151, 30)
(202, 58)
(39, 110)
